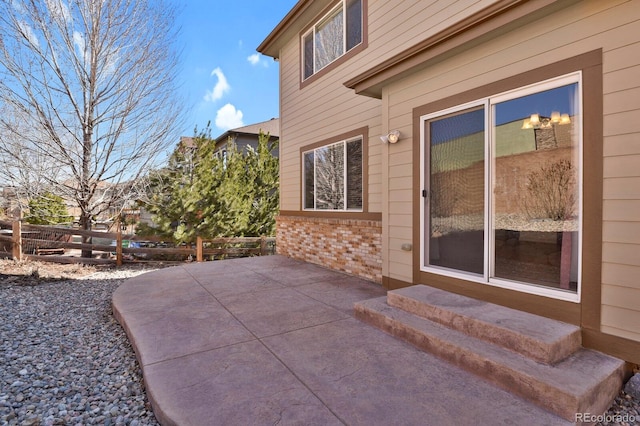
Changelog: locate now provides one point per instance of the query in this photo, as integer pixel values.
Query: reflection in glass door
(535, 192)
(456, 191)
(502, 201)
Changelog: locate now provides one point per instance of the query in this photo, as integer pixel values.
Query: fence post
(17, 240)
(199, 249)
(119, 246)
(263, 245)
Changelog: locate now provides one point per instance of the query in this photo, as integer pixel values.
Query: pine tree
(266, 196)
(202, 193)
(48, 209)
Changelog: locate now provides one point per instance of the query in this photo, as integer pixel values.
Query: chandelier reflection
(536, 121)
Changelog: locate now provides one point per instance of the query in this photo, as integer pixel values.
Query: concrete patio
(271, 340)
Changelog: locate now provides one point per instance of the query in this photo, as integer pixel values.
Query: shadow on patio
(269, 340)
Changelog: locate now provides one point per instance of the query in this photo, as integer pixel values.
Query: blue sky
(225, 81)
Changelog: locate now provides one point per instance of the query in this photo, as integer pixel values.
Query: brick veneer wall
(348, 245)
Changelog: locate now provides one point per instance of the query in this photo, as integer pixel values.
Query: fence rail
(65, 245)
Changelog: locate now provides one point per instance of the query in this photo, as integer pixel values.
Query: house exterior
(248, 135)
(243, 137)
(489, 148)
(10, 206)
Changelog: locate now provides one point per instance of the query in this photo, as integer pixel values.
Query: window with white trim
(502, 187)
(335, 34)
(332, 176)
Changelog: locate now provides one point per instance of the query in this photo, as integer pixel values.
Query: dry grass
(28, 272)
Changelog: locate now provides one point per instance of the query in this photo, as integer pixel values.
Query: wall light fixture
(391, 137)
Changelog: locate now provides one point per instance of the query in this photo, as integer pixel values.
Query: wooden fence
(65, 245)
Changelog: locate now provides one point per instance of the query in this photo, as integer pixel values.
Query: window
(502, 189)
(332, 176)
(335, 34)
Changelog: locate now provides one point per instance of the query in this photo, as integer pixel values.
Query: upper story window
(335, 34)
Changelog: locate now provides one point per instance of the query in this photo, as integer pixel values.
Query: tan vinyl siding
(623, 100)
(621, 232)
(626, 144)
(622, 210)
(625, 254)
(325, 107)
(622, 188)
(613, 26)
(621, 274)
(622, 79)
(621, 322)
(622, 166)
(622, 297)
(418, 20)
(621, 207)
(320, 111)
(621, 290)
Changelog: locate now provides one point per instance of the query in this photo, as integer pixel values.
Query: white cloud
(28, 32)
(17, 6)
(81, 45)
(228, 117)
(254, 59)
(221, 87)
(78, 40)
(59, 10)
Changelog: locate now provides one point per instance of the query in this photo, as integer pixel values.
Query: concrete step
(541, 339)
(584, 382)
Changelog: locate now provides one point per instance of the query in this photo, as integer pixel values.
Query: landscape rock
(64, 358)
(633, 386)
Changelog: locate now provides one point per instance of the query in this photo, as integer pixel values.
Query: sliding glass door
(502, 189)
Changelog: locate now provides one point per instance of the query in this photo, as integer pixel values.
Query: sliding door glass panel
(455, 182)
(535, 204)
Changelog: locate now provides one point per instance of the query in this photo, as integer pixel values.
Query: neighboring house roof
(271, 127)
(186, 142)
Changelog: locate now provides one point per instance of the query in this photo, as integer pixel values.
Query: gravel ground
(64, 360)
(625, 411)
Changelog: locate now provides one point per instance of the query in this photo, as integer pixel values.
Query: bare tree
(330, 177)
(329, 40)
(28, 171)
(88, 96)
